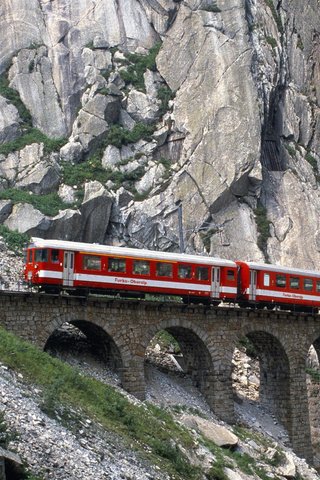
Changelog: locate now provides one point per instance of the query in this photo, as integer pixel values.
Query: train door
(253, 285)
(68, 269)
(215, 285)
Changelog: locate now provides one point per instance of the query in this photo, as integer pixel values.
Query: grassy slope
(147, 427)
(143, 424)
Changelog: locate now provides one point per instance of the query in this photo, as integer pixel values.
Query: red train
(79, 268)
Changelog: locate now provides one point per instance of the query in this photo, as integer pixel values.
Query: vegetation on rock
(14, 240)
(137, 66)
(48, 204)
(263, 227)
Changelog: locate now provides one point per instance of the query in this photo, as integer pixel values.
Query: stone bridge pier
(121, 331)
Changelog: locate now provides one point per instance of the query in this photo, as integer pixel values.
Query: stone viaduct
(122, 330)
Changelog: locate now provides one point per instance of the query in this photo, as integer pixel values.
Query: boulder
(67, 193)
(218, 434)
(288, 468)
(26, 219)
(142, 108)
(88, 129)
(123, 197)
(30, 169)
(71, 152)
(31, 74)
(95, 213)
(111, 157)
(98, 58)
(106, 107)
(65, 226)
(10, 462)
(151, 178)
(9, 121)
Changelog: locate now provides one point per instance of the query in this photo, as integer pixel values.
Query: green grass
(119, 136)
(48, 204)
(271, 41)
(147, 426)
(93, 170)
(33, 135)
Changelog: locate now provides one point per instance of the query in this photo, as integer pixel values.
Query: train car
(53, 265)
(284, 287)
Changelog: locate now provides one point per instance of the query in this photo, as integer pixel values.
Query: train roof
(128, 252)
(281, 269)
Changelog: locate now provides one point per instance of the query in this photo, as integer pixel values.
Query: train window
(116, 265)
(202, 273)
(30, 256)
(141, 267)
(91, 262)
(41, 255)
(184, 271)
(281, 281)
(266, 280)
(318, 286)
(163, 269)
(294, 282)
(307, 284)
(230, 275)
(54, 256)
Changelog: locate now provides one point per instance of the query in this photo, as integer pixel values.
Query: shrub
(263, 227)
(271, 41)
(83, 172)
(15, 241)
(119, 136)
(138, 64)
(291, 150)
(275, 15)
(313, 162)
(164, 95)
(13, 96)
(314, 374)
(92, 170)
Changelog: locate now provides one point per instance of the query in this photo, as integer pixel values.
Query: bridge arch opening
(180, 354)
(84, 344)
(313, 391)
(264, 365)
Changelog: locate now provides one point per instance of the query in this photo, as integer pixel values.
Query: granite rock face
(225, 122)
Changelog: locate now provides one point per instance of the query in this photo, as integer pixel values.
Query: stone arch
(274, 365)
(204, 360)
(313, 389)
(315, 341)
(106, 345)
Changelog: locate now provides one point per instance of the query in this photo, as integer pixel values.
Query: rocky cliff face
(208, 104)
